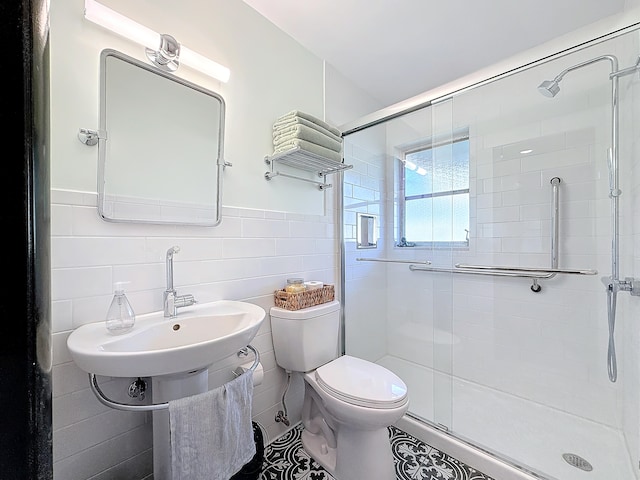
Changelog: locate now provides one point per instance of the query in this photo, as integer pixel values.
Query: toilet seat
(362, 383)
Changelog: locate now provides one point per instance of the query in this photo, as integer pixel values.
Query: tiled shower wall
(365, 282)
(246, 258)
(549, 347)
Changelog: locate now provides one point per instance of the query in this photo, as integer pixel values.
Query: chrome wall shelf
(303, 160)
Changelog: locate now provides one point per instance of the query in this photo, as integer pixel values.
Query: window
(433, 195)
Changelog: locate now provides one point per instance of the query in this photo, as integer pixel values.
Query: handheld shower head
(549, 88)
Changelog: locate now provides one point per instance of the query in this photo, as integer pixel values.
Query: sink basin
(198, 337)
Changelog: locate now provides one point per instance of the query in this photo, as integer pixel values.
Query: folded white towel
(310, 147)
(292, 115)
(282, 128)
(303, 132)
(211, 433)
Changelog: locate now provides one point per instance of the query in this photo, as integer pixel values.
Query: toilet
(348, 402)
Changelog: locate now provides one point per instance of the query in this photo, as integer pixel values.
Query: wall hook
(90, 137)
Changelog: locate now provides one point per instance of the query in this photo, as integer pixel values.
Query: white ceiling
(395, 49)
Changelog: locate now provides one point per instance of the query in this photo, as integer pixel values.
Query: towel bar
(543, 270)
(387, 260)
(154, 406)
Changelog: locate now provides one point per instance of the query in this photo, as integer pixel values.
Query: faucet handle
(185, 300)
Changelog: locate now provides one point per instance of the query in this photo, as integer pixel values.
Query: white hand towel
(282, 128)
(303, 132)
(288, 117)
(211, 433)
(310, 147)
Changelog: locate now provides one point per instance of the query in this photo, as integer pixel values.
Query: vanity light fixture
(162, 50)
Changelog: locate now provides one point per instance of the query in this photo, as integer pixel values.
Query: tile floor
(285, 459)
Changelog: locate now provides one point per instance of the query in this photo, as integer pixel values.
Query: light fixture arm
(167, 56)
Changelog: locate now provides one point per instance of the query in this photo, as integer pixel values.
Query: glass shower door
(395, 316)
(512, 365)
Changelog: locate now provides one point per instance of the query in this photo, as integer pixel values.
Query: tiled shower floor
(285, 459)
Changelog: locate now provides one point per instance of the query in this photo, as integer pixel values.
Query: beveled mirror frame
(134, 208)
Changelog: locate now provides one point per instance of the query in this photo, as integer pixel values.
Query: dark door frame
(25, 312)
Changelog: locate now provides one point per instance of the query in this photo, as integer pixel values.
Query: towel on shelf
(282, 128)
(309, 147)
(211, 433)
(294, 114)
(303, 132)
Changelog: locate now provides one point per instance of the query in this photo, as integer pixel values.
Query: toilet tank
(307, 338)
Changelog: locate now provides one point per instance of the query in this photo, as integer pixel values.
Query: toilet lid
(362, 383)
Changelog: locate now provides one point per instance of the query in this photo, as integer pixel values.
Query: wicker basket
(308, 298)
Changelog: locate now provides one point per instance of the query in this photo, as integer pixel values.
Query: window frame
(402, 198)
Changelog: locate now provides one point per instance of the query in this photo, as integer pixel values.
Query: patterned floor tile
(285, 459)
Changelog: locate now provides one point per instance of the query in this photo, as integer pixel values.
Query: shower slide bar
(154, 406)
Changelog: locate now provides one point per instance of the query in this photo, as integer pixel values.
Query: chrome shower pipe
(613, 283)
(551, 89)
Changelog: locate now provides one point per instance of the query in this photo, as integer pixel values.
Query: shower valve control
(631, 285)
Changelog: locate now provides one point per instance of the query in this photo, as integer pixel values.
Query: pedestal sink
(176, 352)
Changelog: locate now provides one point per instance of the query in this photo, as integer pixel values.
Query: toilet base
(362, 454)
(316, 446)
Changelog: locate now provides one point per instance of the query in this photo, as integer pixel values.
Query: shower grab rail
(568, 271)
(390, 260)
(504, 271)
(154, 406)
(535, 274)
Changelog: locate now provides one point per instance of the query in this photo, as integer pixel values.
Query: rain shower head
(549, 88)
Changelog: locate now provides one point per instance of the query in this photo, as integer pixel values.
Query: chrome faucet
(173, 301)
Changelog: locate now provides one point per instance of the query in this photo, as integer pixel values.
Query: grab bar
(534, 273)
(387, 260)
(154, 406)
(555, 220)
(496, 273)
(568, 271)
(502, 271)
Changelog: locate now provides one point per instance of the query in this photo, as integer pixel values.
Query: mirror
(160, 146)
(366, 231)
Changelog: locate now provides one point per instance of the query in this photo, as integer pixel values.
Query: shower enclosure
(500, 225)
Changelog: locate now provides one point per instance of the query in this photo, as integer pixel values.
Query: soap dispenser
(120, 316)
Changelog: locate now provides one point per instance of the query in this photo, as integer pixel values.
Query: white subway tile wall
(247, 257)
